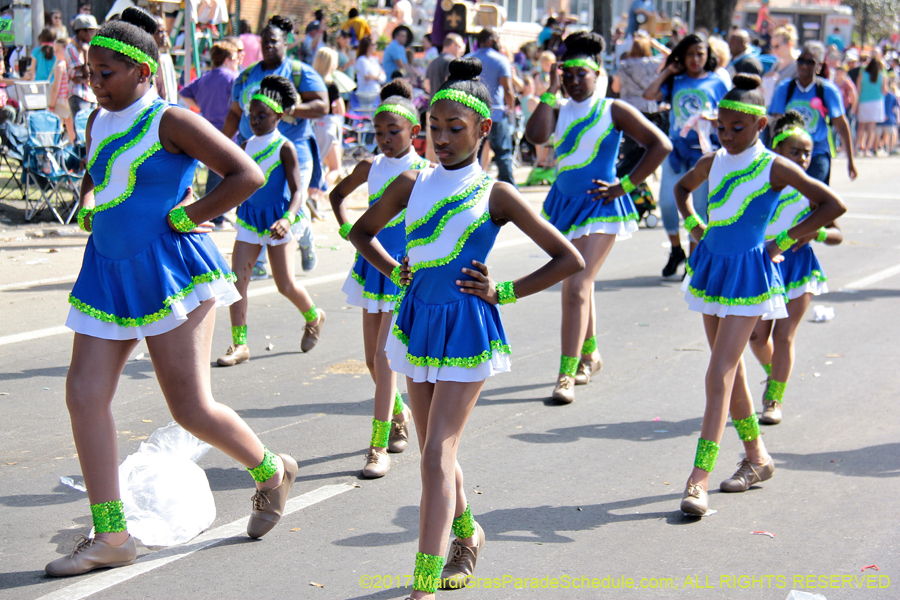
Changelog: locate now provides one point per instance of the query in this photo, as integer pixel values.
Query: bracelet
(784, 241)
(180, 221)
(291, 219)
(823, 235)
(548, 98)
(395, 277)
(344, 231)
(692, 221)
(83, 213)
(506, 293)
(626, 184)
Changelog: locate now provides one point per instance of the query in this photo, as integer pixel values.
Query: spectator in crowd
(436, 74)
(836, 40)
(346, 56)
(369, 74)
(742, 58)
(850, 97)
(314, 38)
(546, 61)
(784, 47)
(80, 95)
(329, 128)
(547, 32)
(428, 49)
(166, 80)
(887, 131)
(496, 74)
(395, 53)
(872, 86)
(722, 52)
(84, 8)
(639, 13)
(53, 20)
(252, 52)
(43, 57)
(59, 89)
(357, 26)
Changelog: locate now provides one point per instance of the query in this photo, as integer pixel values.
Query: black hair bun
(463, 69)
(746, 81)
(584, 42)
(282, 23)
(282, 87)
(397, 87)
(140, 18)
(790, 119)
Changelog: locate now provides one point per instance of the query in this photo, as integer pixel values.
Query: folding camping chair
(45, 168)
(12, 154)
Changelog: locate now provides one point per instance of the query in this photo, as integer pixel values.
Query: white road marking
(33, 335)
(873, 278)
(871, 217)
(155, 560)
(28, 284)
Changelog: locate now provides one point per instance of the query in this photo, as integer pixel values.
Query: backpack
(296, 73)
(820, 94)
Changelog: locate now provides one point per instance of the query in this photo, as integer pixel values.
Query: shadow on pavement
(858, 295)
(872, 461)
(64, 494)
(638, 431)
(648, 281)
(362, 407)
(134, 370)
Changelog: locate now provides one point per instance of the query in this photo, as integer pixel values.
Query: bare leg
(760, 342)
(592, 322)
(577, 292)
(385, 378)
(675, 240)
(783, 338)
(281, 258)
(741, 407)
(243, 257)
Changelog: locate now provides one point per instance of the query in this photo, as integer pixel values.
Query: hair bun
(282, 23)
(746, 81)
(140, 18)
(584, 42)
(397, 87)
(791, 118)
(463, 69)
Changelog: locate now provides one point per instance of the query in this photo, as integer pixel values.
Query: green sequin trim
(108, 517)
(750, 168)
(269, 172)
(181, 221)
(775, 390)
(310, 315)
(239, 335)
(467, 362)
(369, 295)
(629, 217)
(83, 213)
(439, 262)
(482, 180)
(266, 469)
(751, 301)
(506, 293)
(581, 62)
(568, 365)
(344, 230)
(784, 240)
(767, 368)
(115, 137)
(439, 228)
(267, 151)
(590, 345)
(760, 163)
(268, 102)
(417, 165)
(162, 313)
(816, 274)
(707, 453)
(381, 431)
(398, 110)
(132, 52)
(463, 98)
(593, 155)
(132, 180)
(750, 109)
(400, 220)
(785, 201)
(427, 574)
(464, 525)
(740, 211)
(748, 429)
(398, 403)
(131, 144)
(595, 114)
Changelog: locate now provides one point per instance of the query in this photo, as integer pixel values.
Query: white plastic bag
(822, 313)
(166, 495)
(799, 595)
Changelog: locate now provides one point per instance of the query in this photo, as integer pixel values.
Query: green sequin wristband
(181, 221)
(128, 50)
(268, 102)
(291, 219)
(707, 453)
(784, 241)
(398, 110)
(820, 237)
(395, 277)
(691, 221)
(748, 429)
(626, 184)
(83, 213)
(506, 293)
(581, 62)
(344, 231)
(427, 574)
(548, 98)
(463, 98)
(749, 109)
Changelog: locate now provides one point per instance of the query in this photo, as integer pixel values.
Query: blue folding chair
(45, 168)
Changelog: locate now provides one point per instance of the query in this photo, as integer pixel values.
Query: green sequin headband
(750, 109)
(398, 110)
(787, 133)
(268, 102)
(581, 62)
(127, 49)
(463, 98)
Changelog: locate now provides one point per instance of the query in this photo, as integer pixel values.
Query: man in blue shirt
(836, 39)
(395, 54)
(496, 74)
(645, 8)
(815, 98)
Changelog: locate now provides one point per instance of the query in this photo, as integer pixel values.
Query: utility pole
(603, 20)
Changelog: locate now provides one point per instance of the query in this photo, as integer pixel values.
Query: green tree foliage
(875, 19)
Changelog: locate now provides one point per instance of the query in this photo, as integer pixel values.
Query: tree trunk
(714, 15)
(603, 20)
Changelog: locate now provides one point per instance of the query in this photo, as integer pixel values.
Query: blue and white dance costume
(257, 214)
(730, 272)
(587, 148)
(366, 286)
(139, 277)
(800, 269)
(439, 333)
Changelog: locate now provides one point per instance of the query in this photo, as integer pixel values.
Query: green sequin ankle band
(398, 404)
(381, 431)
(748, 429)
(239, 335)
(109, 517)
(767, 368)
(707, 453)
(464, 524)
(311, 315)
(775, 390)
(267, 468)
(427, 574)
(568, 365)
(589, 346)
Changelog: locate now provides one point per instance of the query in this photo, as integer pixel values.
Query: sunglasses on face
(806, 61)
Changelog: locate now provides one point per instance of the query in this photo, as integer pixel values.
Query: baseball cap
(85, 22)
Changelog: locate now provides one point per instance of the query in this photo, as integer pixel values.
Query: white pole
(37, 20)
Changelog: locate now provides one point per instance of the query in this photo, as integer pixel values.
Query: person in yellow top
(357, 26)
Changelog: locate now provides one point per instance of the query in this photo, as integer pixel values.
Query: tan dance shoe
(268, 505)
(771, 414)
(377, 464)
(586, 369)
(695, 501)
(235, 355)
(312, 331)
(460, 567)
(747, 475)
(564, 392)
(90, 554)
(399, 437)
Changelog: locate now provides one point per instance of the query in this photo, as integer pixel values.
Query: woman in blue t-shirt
(43, 58)
(691, 87)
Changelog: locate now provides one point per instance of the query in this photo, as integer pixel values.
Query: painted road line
(33, 335)
(873, 278)
(870, 217)
(155, 560)
(36, 282)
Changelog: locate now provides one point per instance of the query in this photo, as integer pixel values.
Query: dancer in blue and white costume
(150, 272)
(447, 336)
(731, 276)
(586, 203)
(396, 124)
(773, 344)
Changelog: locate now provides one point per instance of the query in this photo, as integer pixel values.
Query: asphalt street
(590, 490)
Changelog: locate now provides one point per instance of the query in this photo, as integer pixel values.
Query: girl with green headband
(732, 277)
(396, 124)
(587, 203)
(446, 335)
(151, 272)
(773, 344)
(266, 217)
